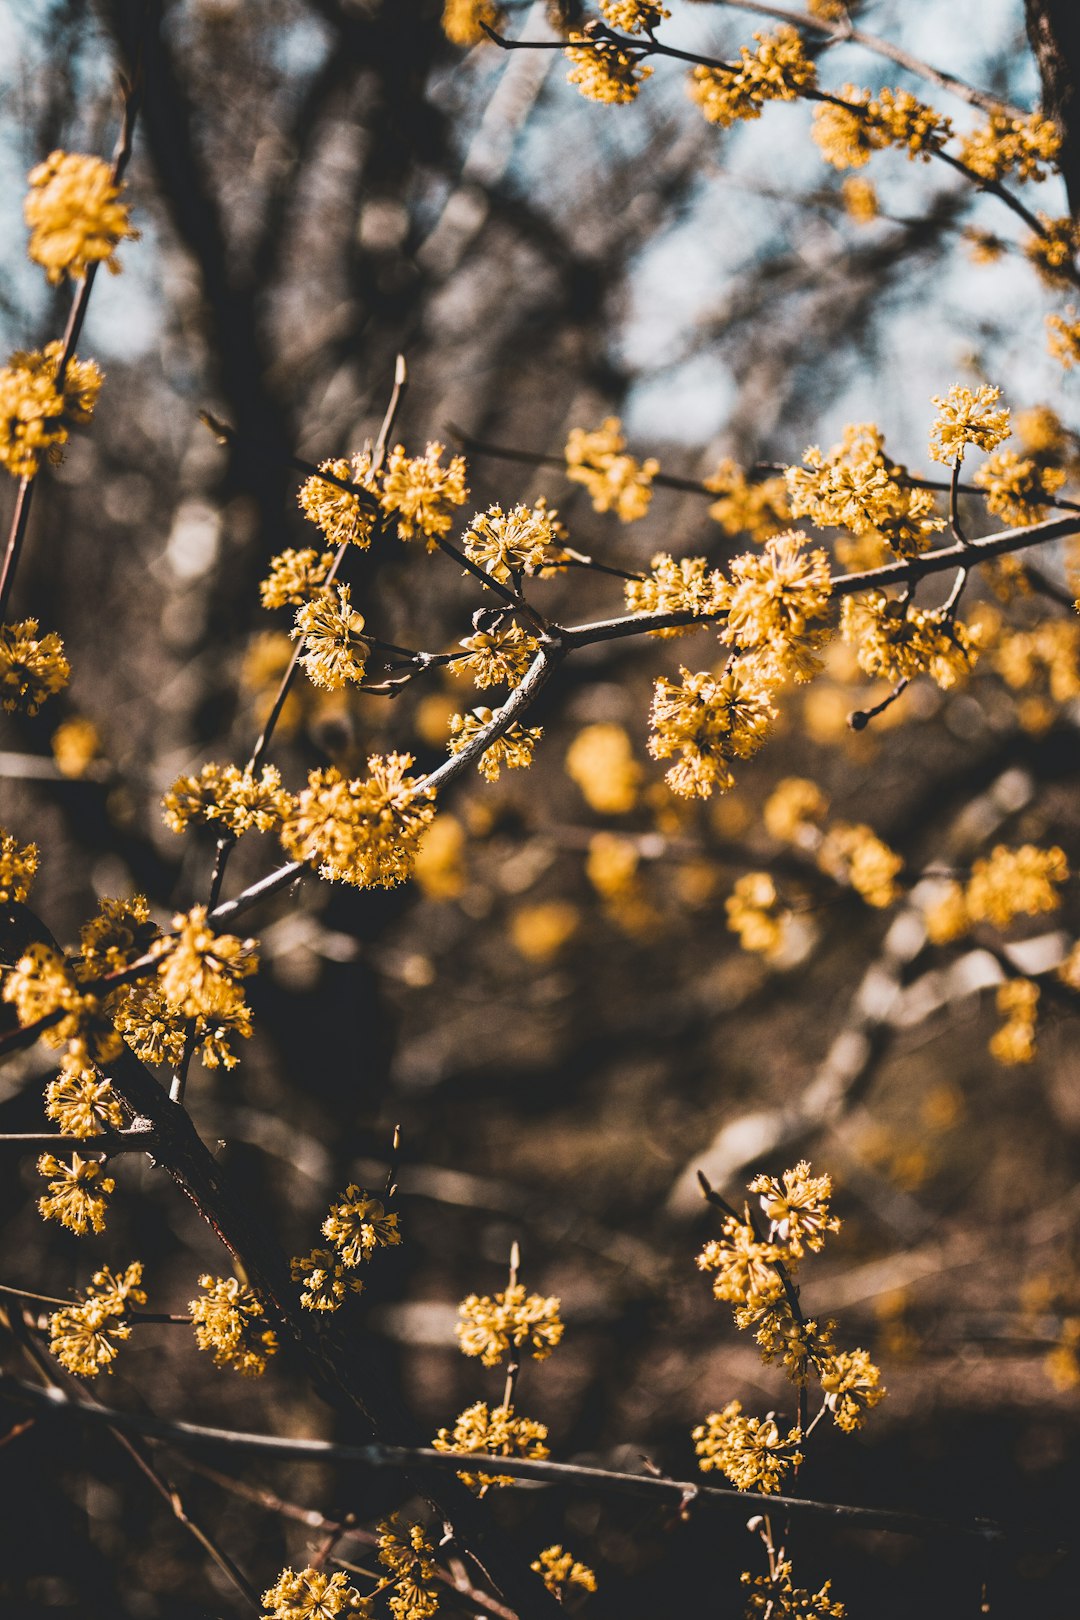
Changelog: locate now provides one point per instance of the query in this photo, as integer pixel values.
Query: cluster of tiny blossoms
(408, 1585)
(75, 215)
(357, 1226)
(32, 666)
(854, 486)
(230, 1321)
(364, 830)
(615, 481)
(513, 751)
(1006, 884)
(753, 1262)
(414, 494)
(776, 71)
(84, 1337)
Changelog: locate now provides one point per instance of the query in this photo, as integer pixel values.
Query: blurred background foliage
(320, 185)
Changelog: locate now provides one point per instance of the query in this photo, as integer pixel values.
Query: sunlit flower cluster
(896, 640)
(965, 417)
(235, 800)
(748, 1451)
(776, 603)
(409, 1557)
(855, 487)
(704, 721)
(615, 481)
(75, 215)
(794, 809)
(757, 507)
(852, 853)
(342, 516)
(32, 666)
(686, 585)
(775, 1597)
(1027, 147)
(295, 577)
(419, 493)
(82, 1101)
(513, 751)
(1017, 487)
(776, 71)
(36, 415)
(498, 1432)
(797, 1208)
(84, 1337)
(231, 1323)
(1017, 1000)
(848, 134)
(499, 658)
(1052, 250)
(490, 1326)
(509, 544)
(78, 1193)
(461, 20)
(18, 868)
(757, 914)
(363, 830)
(603, 70)
(560, 1570)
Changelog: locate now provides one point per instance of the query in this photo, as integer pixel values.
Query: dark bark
(1053, 28)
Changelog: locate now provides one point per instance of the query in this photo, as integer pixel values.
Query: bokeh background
(320, 185)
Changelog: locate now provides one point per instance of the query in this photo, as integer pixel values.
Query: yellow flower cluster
(757, 914)
(461, 20)
(600, 760)
(326, 631)
(512, 751)
(797, 1208)
(488, 1327)
(497, 1433)
(1017, 487)
(230, 1321)
(774, 603)
(560, 1569)
(854, 486)
(685, 586)
(1047, 654)
(895, 640)
(18, 868)
(705, 721)
(226, 796)
(1015, 882)
(745, 1267)
(1063, 339)
(200, 971)
(501, 658)
(776, 71)
(439, 867)
(32, 666)
(1053, 249)
(509, 544)
(82, 1102)
(357, 1225)
(78, 1193)
(603, 71)
(295, 577)
(860, 199)
(75, 215)
(847, 134)
(341, 515)
(852, 1387)
(750, 1452)
(853, 854)
(795, 807)
(615, 481)
(410, 1558)
(633, 16)
(362, 831)
(1014, 1042)
(41, 985)
(311, 1594)
(35, 415)
(775, 1597)
(76, 743)
(756, 507)
(85, 1337)
(418, 492)
(967, 418)
(1004, 145)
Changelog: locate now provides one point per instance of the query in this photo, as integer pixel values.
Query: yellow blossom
(633, 16)
(34, 414)
(341, 515)
(947, 915)
(311, 1594)
(1053, 250)
(501, 658)
(748, 1451)
(325, 1280)
(793, 808)
(75, 215)
(42, 985)
(226, 796)
(896, 641)
(120, 932)
(75, 745)
(200, 971)
(848, 134)
(294, 577)
(461, 20)
(1015, 882)
(601, 762)
(854, 854)
(615, 481)
(18, 868)
(758, 508)
(78, 1193)
(797, 1208)
(513, 750)
(852, 1387)
(756, 913)
(774, 1597)
(684, 586)
(505, 544)
(490, 1326)
(603, 71)
(705, 721)
(326, 631)
(439, 866)
(776, 71)
(82, 1102)
(611, 865)
(418, 492)
(84, 1337)
(32, 666)
(498, 1433)
(362, 831)
(855, 487)
(560, 1569)
(1005, 144)
(358, 1224)
(1047, 655)
(860, 200)
(1017, 487)
(776, 599)
(539, 932)
(745, 1267)
(1014, 1042)
(1063, 340)
(967, 418)
(230, 1321)
(405, 1551)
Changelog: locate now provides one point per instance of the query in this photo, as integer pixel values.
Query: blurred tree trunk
(1053, 28)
